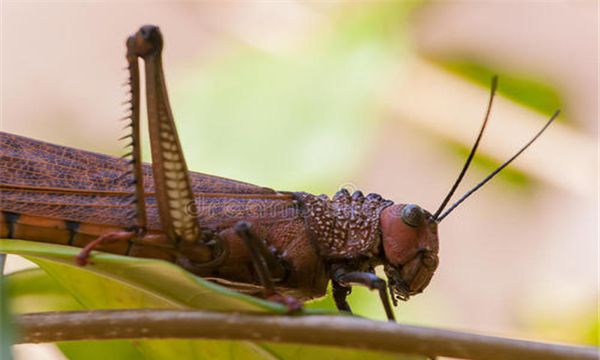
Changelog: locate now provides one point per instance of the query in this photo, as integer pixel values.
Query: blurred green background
(384, 97)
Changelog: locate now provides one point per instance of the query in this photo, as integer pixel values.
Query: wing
(43, 179)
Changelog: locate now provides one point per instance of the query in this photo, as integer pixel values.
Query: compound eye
(412, 215)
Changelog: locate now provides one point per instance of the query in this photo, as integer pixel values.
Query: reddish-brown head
(410, 244)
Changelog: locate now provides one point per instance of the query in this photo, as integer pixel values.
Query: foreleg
(345, 278)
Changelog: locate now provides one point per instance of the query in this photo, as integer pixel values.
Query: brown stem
(311, 330)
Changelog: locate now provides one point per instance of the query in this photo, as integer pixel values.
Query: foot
(293, 305)
(82, 258)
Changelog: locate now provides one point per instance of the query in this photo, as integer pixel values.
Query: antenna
(490, 176)
(472, 153)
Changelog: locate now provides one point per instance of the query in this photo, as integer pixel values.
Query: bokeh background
(384, 97)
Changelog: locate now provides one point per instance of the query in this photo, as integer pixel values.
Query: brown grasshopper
(284, 246)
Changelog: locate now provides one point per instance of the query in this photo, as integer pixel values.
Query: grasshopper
(283, 246)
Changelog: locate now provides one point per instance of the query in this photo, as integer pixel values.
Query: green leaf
(101, 350)
(114, 281)
(134, 282)
(32, 290)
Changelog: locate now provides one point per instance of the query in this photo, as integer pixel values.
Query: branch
(311, 330)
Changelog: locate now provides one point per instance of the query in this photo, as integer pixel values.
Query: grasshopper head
(410, 244)
(146, 41)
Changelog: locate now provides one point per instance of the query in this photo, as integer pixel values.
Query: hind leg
(82, 258)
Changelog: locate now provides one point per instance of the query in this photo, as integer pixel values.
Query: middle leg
(267, 265)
